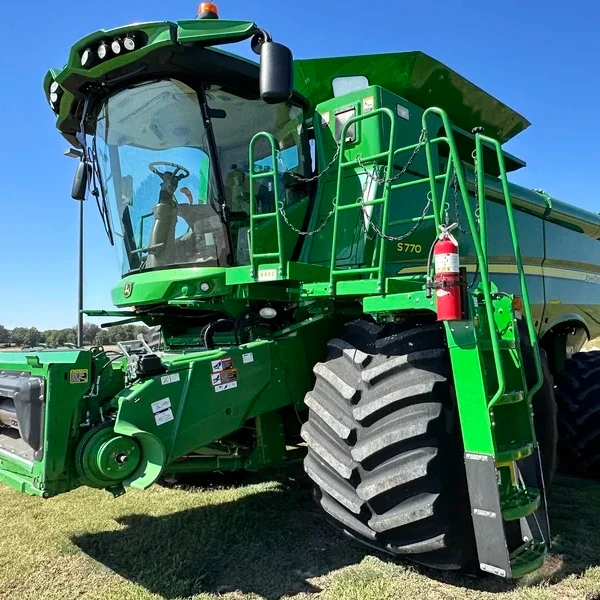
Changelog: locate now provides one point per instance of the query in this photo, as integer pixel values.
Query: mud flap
(527, 542)
(486, 512)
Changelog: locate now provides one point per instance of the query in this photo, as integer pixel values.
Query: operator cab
(172, 159)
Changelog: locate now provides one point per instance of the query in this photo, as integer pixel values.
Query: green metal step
(515, 450)
(520, 502)
(527, 558)
(511, 397)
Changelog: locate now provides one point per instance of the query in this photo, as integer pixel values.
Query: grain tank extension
(334, 239)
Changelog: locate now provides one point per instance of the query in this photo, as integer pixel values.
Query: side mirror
(276, 69)
(80, 182)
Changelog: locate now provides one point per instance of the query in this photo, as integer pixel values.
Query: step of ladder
(519, 502)
(511, 397)
(515, 450)
(527, 558)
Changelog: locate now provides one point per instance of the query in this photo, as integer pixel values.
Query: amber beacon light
(208, 10)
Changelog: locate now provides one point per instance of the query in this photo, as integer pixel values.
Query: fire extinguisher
(448, 278)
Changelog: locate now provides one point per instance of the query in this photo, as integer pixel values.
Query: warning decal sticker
(166, 379)
(221, 365)
(79, 376)
(226, 386)
(161, 405)
(223, 377)
(162, 411)
(164, 417)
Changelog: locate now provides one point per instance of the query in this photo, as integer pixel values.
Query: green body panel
(419, 79)
(172, 285)
(49, 471)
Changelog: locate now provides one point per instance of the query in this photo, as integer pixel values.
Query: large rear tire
(385, 448)
(578, 399)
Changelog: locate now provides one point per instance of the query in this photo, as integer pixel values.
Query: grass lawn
(253, 537)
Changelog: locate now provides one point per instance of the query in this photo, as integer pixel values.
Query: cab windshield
(174, 168)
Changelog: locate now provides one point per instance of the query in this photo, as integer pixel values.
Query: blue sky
(539, 57)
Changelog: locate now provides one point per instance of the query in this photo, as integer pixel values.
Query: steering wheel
(174, 175)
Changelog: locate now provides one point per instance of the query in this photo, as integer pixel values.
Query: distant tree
(52, 337)
(60, 337)
(120, 333)
(19, 335)
(90, 331)
(69, 335)
(33, 337)
(102, 338)
(4, 335)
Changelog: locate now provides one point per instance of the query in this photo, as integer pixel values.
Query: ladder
(492, 391)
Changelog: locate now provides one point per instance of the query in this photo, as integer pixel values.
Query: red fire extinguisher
(447, 283)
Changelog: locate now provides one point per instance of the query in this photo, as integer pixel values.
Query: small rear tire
(385, 447)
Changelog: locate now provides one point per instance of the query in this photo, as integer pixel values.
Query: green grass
(248, 538)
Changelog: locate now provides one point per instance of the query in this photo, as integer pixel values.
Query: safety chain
(383, 180)
(315, 177)
(391, 238)
(373, 176)
(456, 207)
(308, 180)
(307, 233)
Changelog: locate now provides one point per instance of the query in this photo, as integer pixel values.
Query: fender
(562, 338)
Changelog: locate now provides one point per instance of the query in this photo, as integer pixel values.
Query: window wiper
(99, 193)
(91, 157)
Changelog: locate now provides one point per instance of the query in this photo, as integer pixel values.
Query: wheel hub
(105, 458)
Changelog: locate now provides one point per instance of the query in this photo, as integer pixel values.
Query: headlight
(102, 51)
(116, 47)
(267, 312)
(86, 58)
(129, 44)
(205, 287)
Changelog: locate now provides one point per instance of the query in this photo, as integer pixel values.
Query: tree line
(93, 335)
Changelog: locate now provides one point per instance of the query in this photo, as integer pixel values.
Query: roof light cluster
(56, 93)
(108, 49)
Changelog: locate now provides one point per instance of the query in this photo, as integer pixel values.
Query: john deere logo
(127, 290)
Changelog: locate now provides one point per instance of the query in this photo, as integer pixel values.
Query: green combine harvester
(334, 257)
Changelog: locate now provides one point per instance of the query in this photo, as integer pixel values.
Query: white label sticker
(226, 386)
(368, 104)
(215, 378)
(446, 263)
(325, 119)
(248, 357)
(166, 379)
(164, 417)
(161, 405)
(267, 275)
(209, 238)
(403, 112)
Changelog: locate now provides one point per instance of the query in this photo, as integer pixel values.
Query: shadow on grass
(265, 543)
(270, 543)
(573, 510)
